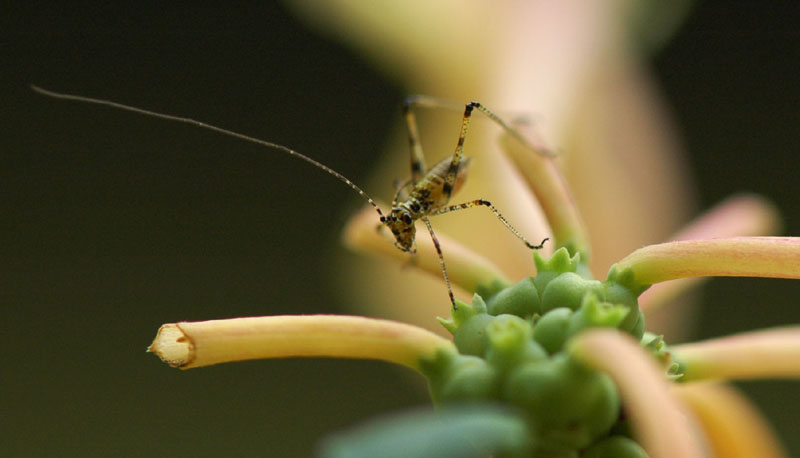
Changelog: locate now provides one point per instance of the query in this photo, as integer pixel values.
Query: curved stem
(548, 184)
(737, 216)
(657, 419)
(769, 353)
(733, 426)
(776, 257)
(195, 344)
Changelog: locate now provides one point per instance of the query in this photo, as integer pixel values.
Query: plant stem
(777, 257)
(769, 353)
(195, 344)
(551, 190)
(656, 417)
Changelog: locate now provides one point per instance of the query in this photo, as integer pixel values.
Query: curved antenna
(194, 122)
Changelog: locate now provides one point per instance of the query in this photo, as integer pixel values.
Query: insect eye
(406, 218)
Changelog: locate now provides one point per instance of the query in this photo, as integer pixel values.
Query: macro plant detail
(511, 349)
(544, 365)
(556, 364)
(667, 123)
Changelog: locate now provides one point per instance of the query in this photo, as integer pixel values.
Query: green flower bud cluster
(510, 350)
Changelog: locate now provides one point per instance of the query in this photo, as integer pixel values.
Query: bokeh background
(113, 224)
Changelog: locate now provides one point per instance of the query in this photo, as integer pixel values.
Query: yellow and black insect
(427, 193)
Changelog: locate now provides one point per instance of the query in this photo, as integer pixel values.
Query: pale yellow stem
(465, 268)
(733, 426)
(658, 421)
(548, 184)
(768, 353)
(195, 344)
(737, 216)
(776, 257)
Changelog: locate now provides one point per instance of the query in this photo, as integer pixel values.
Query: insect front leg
(441, 262)
(486, 203)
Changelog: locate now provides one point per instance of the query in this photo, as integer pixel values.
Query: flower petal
(413, 38)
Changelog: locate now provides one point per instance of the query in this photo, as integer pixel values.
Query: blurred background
(114, 224)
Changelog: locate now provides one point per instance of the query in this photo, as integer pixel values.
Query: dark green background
(113, 223)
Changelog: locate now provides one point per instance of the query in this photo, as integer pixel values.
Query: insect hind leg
(538, 149)
(417, 160)
(424, 101)
(486, 203)
(414, 145)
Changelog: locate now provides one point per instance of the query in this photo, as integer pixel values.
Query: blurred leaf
(458, 432)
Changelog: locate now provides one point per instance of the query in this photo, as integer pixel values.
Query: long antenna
(194, 122)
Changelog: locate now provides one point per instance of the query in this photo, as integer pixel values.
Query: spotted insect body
(427, 194)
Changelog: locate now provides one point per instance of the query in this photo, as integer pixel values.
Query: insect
(427, 193)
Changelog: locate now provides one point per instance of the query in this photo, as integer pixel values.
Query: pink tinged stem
(769, 353)
(737, 216)
(776, 257)
(548, 184)
(659, 423)
(733, 426)
(203, 343)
